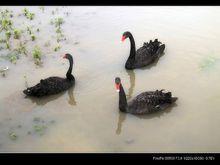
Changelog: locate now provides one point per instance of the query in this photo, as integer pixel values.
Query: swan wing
(149, 51)
(150, 101)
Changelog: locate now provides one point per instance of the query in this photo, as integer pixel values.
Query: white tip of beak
(117, 90)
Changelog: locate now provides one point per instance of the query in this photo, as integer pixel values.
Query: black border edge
(110, 157)
(109, 3)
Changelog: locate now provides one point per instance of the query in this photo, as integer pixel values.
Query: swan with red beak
(145, 55)
(144, 103)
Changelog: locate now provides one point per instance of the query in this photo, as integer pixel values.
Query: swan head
(68, 56)
(117, 84)
(27, 91)
(125, 35)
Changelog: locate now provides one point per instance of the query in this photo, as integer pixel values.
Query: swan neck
(69, 72)
(133, 48)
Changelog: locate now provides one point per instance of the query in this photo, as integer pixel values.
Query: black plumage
(144, 103)
(53, 85)
(145, 55)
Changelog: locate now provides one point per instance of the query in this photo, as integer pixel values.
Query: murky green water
(86, 118)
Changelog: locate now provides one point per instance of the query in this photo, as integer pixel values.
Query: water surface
(86, 118)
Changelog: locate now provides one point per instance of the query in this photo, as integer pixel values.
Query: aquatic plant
(5, 20)
(28, 14)
(6, 24)
(58, 30)
(8, 34)
(37, 55)
(25, 11)
(40, 129)
(13, 59)
(57, 48)
(41, 8)
(13, 135)
(60, 37)
(17, 34)
(29, 30)
(21, 49)
(7, 45)
(33, 37)
(2, 40)
(58, 21)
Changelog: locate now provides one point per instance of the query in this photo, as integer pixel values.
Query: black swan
(144, 103)
(53, 85)
(145, 55)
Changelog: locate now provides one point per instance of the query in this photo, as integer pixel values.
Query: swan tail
(169, 98)
(173, 99)
(155, 47)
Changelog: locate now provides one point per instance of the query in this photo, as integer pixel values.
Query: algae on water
(208, 62)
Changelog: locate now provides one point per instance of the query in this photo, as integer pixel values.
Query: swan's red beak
(64, 56)
(123, 38)
(117, 87)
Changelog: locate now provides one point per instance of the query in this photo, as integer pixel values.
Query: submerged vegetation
(57, 22)
(13, 135)
(21, 49)
(37, 55)
(38, 126)
(13, 58)
(57, 48)
(28, 14)
(17, 34)
(208, 62)
(18, 40)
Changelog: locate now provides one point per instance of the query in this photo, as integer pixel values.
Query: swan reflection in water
(71, 100)
(46, 99)
(122, 116)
